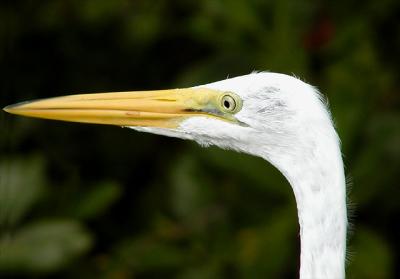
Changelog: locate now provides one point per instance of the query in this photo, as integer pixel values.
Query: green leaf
(43, 246)
(96, 200)
(21, 184)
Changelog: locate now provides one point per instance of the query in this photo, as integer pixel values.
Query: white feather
(289, 125)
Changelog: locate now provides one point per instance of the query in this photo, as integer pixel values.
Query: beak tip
(8, 108)
(12, 108)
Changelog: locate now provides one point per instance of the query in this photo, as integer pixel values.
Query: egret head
(265, 111)
(263, 114)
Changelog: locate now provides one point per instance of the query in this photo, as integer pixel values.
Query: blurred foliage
(22, 182)
(101, 202)
(43, 246)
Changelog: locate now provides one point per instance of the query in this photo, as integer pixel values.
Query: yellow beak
(163, 108)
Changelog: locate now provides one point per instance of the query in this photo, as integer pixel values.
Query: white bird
(273, 116)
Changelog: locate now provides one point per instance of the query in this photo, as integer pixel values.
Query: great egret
(274, 116)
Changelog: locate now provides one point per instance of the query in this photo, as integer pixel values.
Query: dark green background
(87, 201)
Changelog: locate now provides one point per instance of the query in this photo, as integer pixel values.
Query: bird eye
(228, 103)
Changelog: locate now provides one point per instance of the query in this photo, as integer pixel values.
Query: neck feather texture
(317, 178)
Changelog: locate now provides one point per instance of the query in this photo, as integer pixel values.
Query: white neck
(318, 182)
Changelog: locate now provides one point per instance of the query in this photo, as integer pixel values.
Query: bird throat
(318, 184)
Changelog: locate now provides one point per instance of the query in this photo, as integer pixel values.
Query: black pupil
(227, 104)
